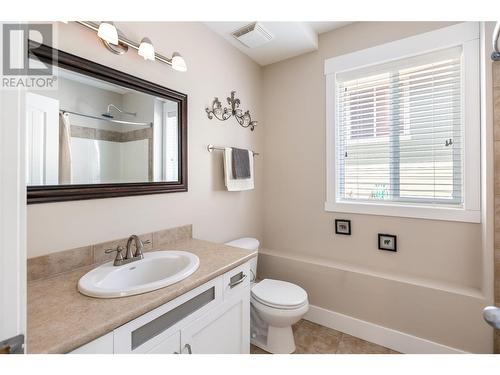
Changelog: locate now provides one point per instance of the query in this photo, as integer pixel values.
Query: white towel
(233, 184)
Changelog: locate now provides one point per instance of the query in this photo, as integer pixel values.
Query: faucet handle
(119, 256)
(146, 242)
(118, 249)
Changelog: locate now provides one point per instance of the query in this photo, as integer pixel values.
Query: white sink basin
(157, 270)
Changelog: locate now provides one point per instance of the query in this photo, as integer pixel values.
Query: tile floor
(312, 338)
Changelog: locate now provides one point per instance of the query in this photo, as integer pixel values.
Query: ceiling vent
(253, 35)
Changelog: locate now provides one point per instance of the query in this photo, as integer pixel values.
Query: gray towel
(241, 163)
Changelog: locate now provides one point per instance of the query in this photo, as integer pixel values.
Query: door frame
(12, 214)
(50, 107)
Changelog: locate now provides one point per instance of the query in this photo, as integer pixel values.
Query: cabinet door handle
(188, 347)
(234, 283)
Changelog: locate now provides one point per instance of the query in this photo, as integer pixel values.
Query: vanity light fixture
(121, 44)
(147, 50)
(222, 114)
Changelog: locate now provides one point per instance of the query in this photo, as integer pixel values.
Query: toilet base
(280, 340)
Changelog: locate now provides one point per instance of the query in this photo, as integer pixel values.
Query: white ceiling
(290, 38)
(323, 27)
(90, 81)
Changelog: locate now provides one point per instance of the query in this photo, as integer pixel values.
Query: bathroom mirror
(102, 133)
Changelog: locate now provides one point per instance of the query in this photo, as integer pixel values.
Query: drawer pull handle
(188, 347)
(234, 283)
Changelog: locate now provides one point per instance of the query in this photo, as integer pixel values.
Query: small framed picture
(387, 242)
(343, 227)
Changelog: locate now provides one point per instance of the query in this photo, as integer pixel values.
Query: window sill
(399, 210)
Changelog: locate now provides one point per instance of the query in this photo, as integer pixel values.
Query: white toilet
(275, 306)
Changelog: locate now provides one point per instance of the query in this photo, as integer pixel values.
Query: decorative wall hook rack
(222, 114)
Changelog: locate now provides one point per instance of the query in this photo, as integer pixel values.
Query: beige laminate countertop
(60, 319)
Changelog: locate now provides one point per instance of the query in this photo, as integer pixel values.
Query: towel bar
(211, 148)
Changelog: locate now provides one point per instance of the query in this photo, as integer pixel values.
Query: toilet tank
(250, 244)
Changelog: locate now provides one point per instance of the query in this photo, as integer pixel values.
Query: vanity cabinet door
(224, 330)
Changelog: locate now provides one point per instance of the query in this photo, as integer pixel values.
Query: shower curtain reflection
(64, 149)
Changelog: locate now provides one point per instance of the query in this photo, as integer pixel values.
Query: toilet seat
(279, 294)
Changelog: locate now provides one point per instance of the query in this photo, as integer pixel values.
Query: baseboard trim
(390, 338)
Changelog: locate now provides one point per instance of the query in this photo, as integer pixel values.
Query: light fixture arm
(244, 119)
(121, 39)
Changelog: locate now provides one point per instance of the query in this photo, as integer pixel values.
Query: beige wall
(215, 68)
(430, 288)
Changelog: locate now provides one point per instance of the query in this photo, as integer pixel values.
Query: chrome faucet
(129, 256)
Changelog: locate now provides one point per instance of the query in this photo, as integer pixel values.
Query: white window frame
(465, 35)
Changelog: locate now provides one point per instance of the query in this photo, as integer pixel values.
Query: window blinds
(399, 131)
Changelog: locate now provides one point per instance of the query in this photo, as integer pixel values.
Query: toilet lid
(277, 293)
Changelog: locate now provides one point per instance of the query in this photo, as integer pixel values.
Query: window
(403, 130)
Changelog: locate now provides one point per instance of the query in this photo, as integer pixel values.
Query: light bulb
(107, 31)
(146, 49)
(178, 62)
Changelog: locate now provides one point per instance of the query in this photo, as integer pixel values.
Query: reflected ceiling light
(146, 49)
(178, 62)
(107, 31)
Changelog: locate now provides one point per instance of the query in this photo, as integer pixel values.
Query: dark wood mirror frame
(58, 193)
